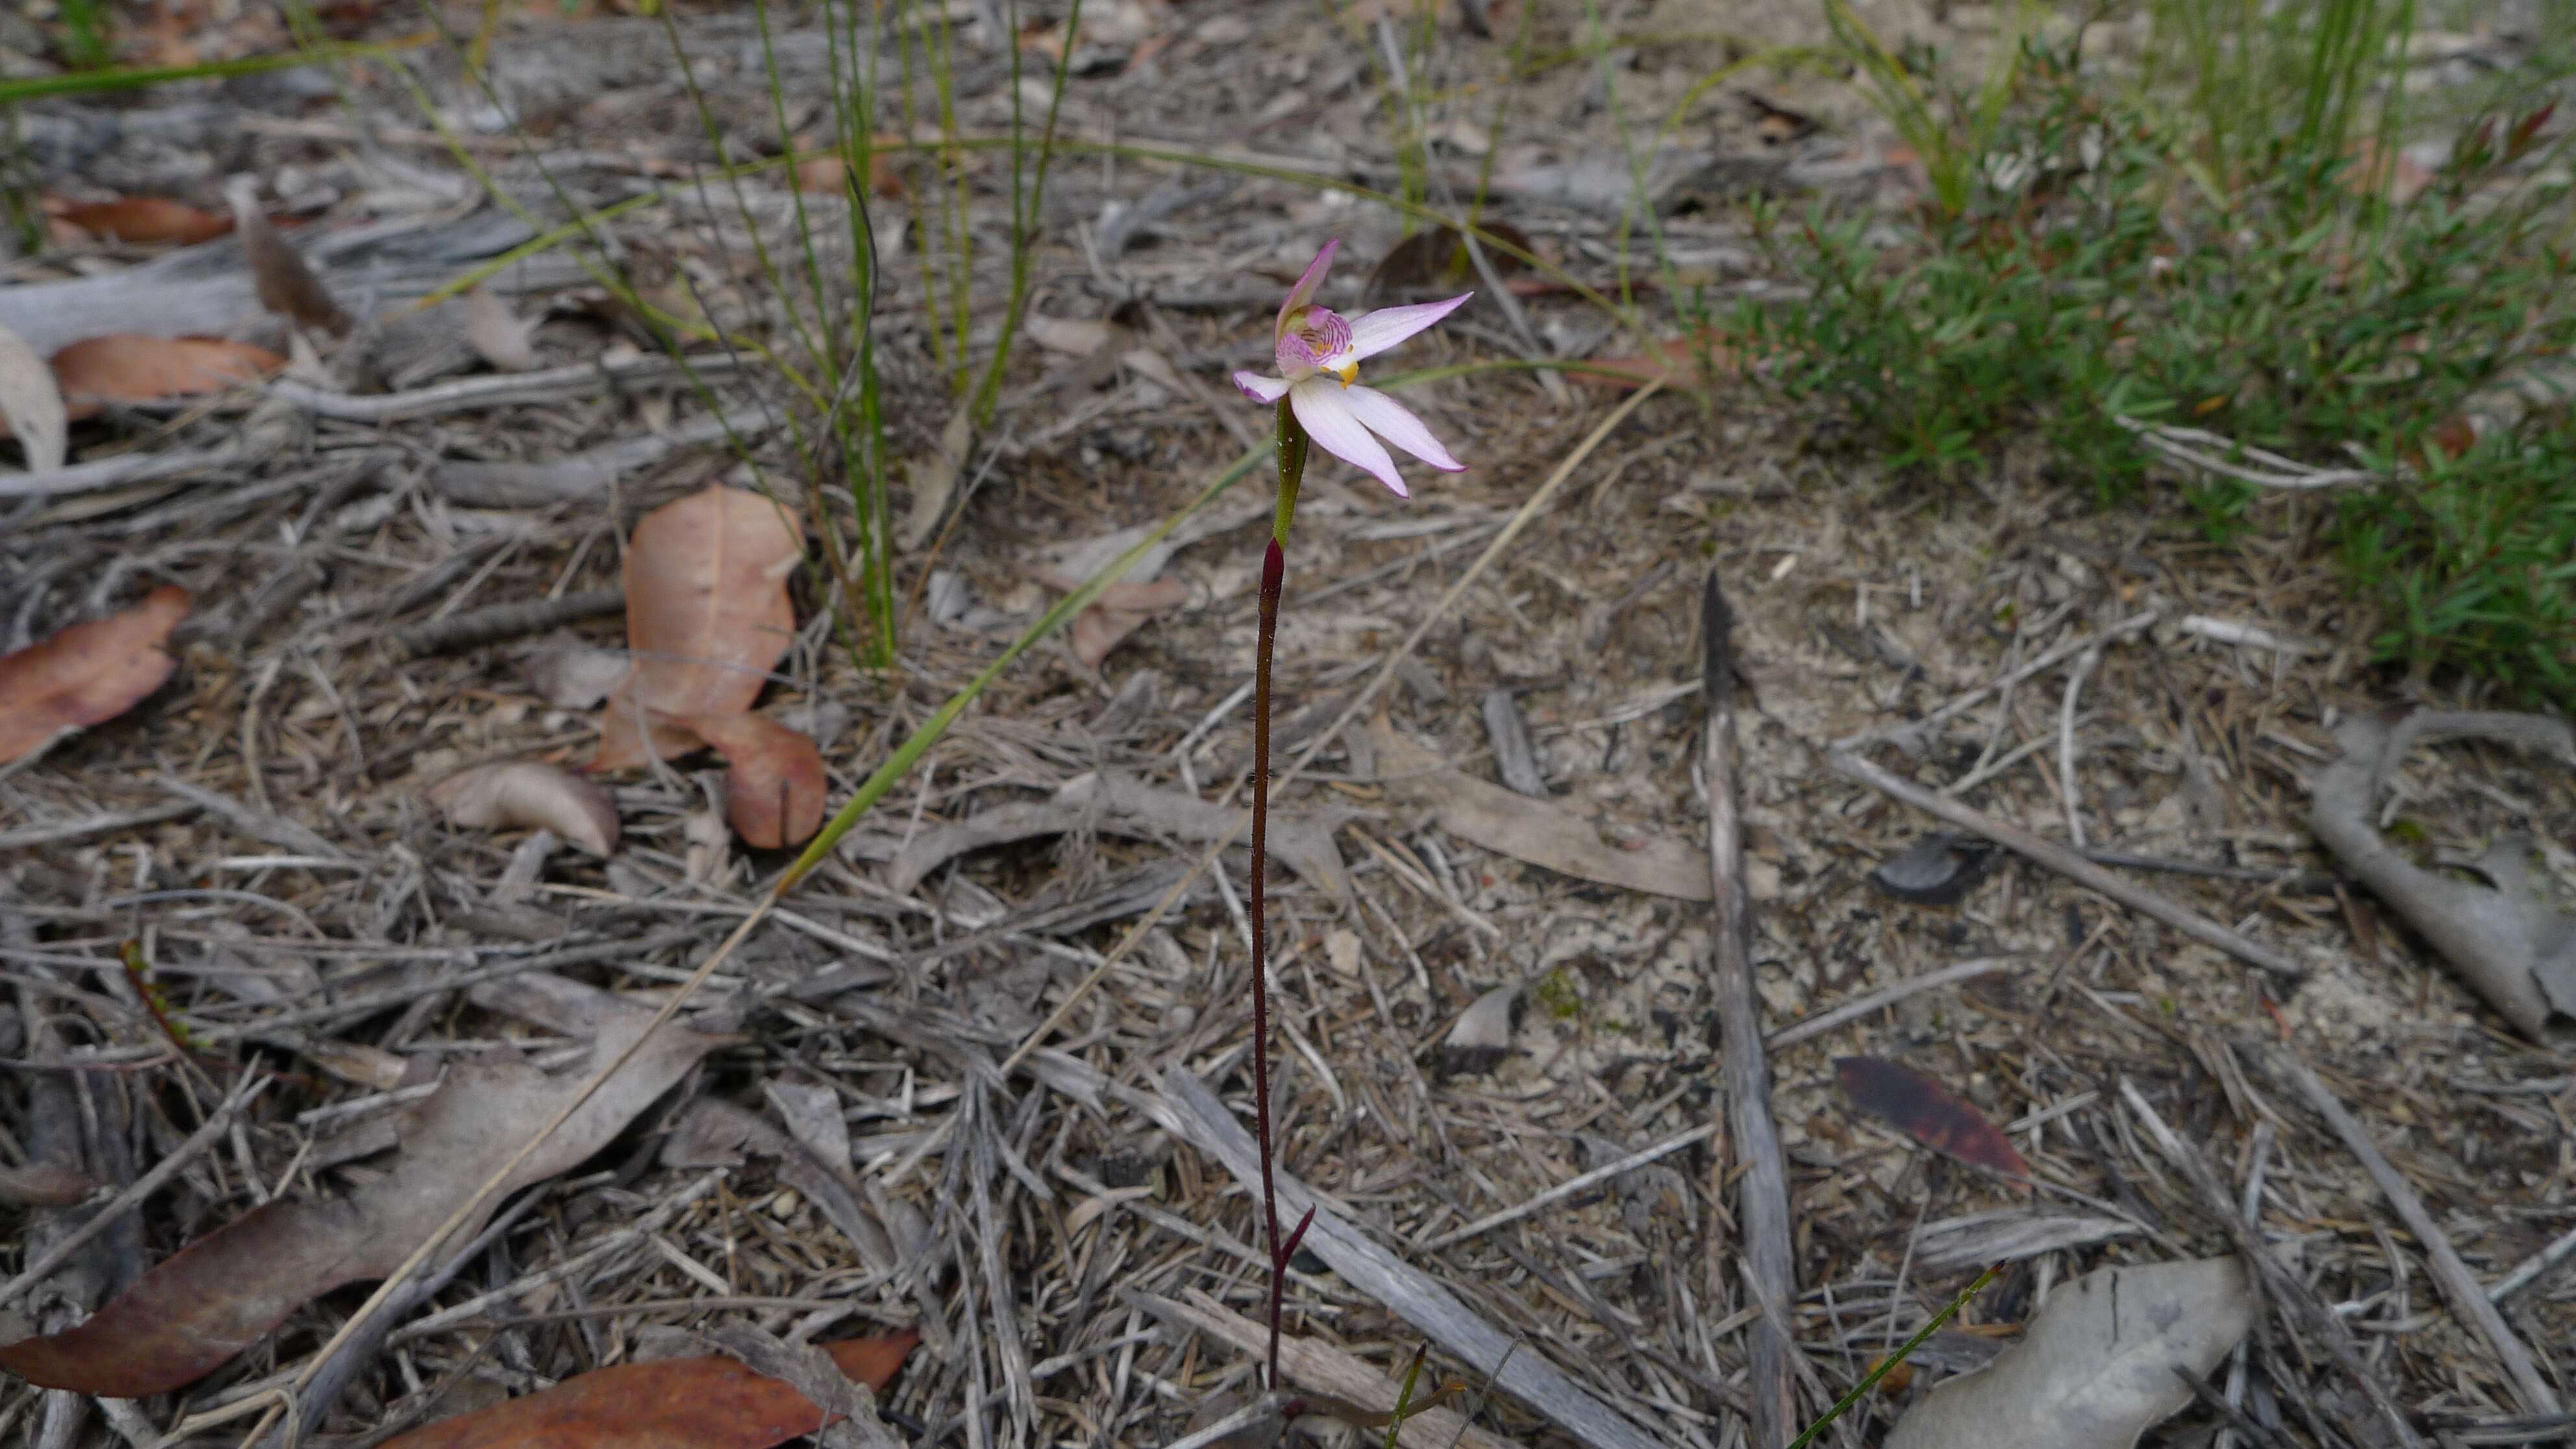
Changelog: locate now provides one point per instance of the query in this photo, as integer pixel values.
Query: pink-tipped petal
(1375, 332)
(1307, 285)
(1392, 421)
(1337, 430)
(1261, 389)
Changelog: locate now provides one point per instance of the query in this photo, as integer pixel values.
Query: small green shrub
(2091, 283)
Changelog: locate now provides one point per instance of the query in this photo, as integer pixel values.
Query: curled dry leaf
(147, 221)
(529, 795)
(2095, 1369)
(2517, 952)
(88, 672)
(129, 367)
(31, 405)
(1928, 1112)
(672, 1403)
(707, 617)
(287, 285)
(225, 1291)
(498, 335)
(774, 780)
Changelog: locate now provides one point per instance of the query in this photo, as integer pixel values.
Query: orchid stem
(1274, 573)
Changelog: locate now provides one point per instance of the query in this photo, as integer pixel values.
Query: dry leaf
(829, 175)
(529, 795)
(87, 673)
(1072, 336)
(934, 480)
(498, 335)
(44, 1184)
(570, 674)
(1485, 814)
(774, 784)
(2095, 1369)
(1928, 1112)
(1435, 259)
(2508, 944)
(672, 1403)
(1121, 610)
(1482, 1035)
(707, 617)
(31, 405)
(129, 367)
(147, 221)
(287, 286)
(225, 1291)
(1686, 364)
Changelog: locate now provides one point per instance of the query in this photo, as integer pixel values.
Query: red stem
(1274, 571)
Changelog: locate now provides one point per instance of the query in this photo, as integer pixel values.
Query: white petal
(1375, 332)
(1337, 430)
(1390, 420)
(1259, 388)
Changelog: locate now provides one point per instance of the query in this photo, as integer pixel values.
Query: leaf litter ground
(260, 826)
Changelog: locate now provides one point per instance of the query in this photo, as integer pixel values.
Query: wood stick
(490, 625)
(1316, 1365)
(2468, 1299)
(1762, 1190)
(2074, 867)
(1187, 1108)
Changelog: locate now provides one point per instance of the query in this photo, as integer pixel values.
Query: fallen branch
(556, 384)
(1762, 1186)
(2074, 867)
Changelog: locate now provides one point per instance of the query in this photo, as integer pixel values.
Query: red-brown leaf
(88, 672)
(147, 221)
(707, 617)
(1685, 363)
(1928, 1112)
(672, 1403)
(775, 788)
(133, 368)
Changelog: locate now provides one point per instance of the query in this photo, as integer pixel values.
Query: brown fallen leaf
(829, 175)
(1928, 1112)
(44, 1184)
(707, 617)
(87, 673)
(498, 335)
(529, 795)
(1435, 259)
(672, 1403)
(31, 405)
(147, 221)
(130, 367)
(1508, 823)
(1121, 610)
(224, 1292)
(1687, 364)
(287, 286)
(775, 787)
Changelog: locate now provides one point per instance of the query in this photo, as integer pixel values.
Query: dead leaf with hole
(147, 221)
(2095, 1368)
(224, 1292)
(2507, 943)
(88, 673)
(672, 1403)
(286, 284)
(529, 795)
(707, 618)
(31, 405)
(498, 335)
(1928, 1112)
(130, 367)
(1541, 833)
(775, 786)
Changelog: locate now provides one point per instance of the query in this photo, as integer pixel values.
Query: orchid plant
(1320, 402)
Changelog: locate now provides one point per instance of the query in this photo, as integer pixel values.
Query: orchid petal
(1375, 332)
(1327, 416)
(1259, 388)
(1307, 285)
(1392, 421)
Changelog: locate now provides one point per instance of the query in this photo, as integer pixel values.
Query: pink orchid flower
(1319, 353)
